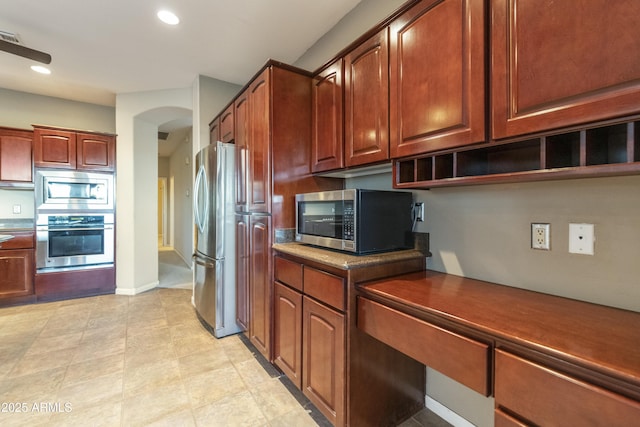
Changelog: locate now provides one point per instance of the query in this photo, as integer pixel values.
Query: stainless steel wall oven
(73, 241)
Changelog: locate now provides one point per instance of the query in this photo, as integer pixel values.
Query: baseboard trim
(138, 290)
(445, 413)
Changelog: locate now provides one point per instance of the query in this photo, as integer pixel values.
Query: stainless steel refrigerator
(214, 293)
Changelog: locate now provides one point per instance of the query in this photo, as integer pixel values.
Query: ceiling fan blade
(25, 52)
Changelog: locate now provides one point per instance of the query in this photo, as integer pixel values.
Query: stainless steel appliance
(74, 241)
(355, 220)
(73, 191)
(214, 293)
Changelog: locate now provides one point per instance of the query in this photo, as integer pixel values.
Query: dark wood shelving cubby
(606, 149)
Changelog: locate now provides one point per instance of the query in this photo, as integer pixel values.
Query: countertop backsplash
(20, 200)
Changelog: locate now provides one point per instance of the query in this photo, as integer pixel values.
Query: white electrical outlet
(17, 209)
(540, 236)
(581, 239)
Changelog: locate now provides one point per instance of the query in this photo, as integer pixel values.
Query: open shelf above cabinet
(607, 149)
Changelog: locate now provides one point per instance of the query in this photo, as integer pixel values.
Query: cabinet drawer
(324, 287)
(21, 240)
(463, 359)
(506, 420)
(546, 397)
(289, 273)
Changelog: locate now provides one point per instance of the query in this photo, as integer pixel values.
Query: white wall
(137, 118)
(181, 173)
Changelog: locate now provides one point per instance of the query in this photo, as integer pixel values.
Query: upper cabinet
(327, 133)
(437, 82)
(227, 127)
(366, 101)
(560, 63)
(241, 124)
(16, 152)
(214, 130)
(68, 149)
(259, 151)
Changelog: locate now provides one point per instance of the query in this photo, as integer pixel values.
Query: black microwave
(355, 220)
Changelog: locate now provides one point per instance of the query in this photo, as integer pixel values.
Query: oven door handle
(77, 229)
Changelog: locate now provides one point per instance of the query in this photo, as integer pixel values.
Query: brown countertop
(343, 260)
(600, 338)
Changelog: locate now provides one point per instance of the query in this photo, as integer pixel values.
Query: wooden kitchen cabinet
(309, 334)
(259, 147)
(16, 157)
(287, 331)
(241, 133)
(323, 359)
(260, 298)
(17, 265)
(253, 279)
(214, 130)
(437, 77)
(327, 139)
(68, 149)
(253, 142)
(555, 64)
(227, 125)
(319, 347)
(95, 152)
(366, 101)
(243, 258)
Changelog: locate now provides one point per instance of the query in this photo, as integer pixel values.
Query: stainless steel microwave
(75, 191)
(355, 220)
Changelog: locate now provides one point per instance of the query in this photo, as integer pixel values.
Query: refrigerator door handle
(200, 261)
(201, 178)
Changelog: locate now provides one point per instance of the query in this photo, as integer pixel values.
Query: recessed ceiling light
(40, 69)
(168, 17)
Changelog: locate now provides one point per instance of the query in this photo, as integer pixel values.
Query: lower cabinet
(253, 279)
(323, 359)
(17, 266)
(309, 329)
(528, 393)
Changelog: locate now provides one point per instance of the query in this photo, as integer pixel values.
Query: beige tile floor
(132, 361)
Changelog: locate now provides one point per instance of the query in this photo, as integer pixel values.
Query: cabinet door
(260, 284)
(323, 359)
(16, 149)
(95, 152)
(366, 101)
(227, 127)
(17, 275)
(287, 332)
(437, 80)
(242, 271)
(241, 117)
(559, 63)
(327, 138)
(54, 148)
(259, 178)
(214, 131)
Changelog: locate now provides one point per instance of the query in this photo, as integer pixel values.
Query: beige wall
(21, 110)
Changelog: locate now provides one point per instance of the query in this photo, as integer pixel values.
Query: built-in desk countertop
(600, 339)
